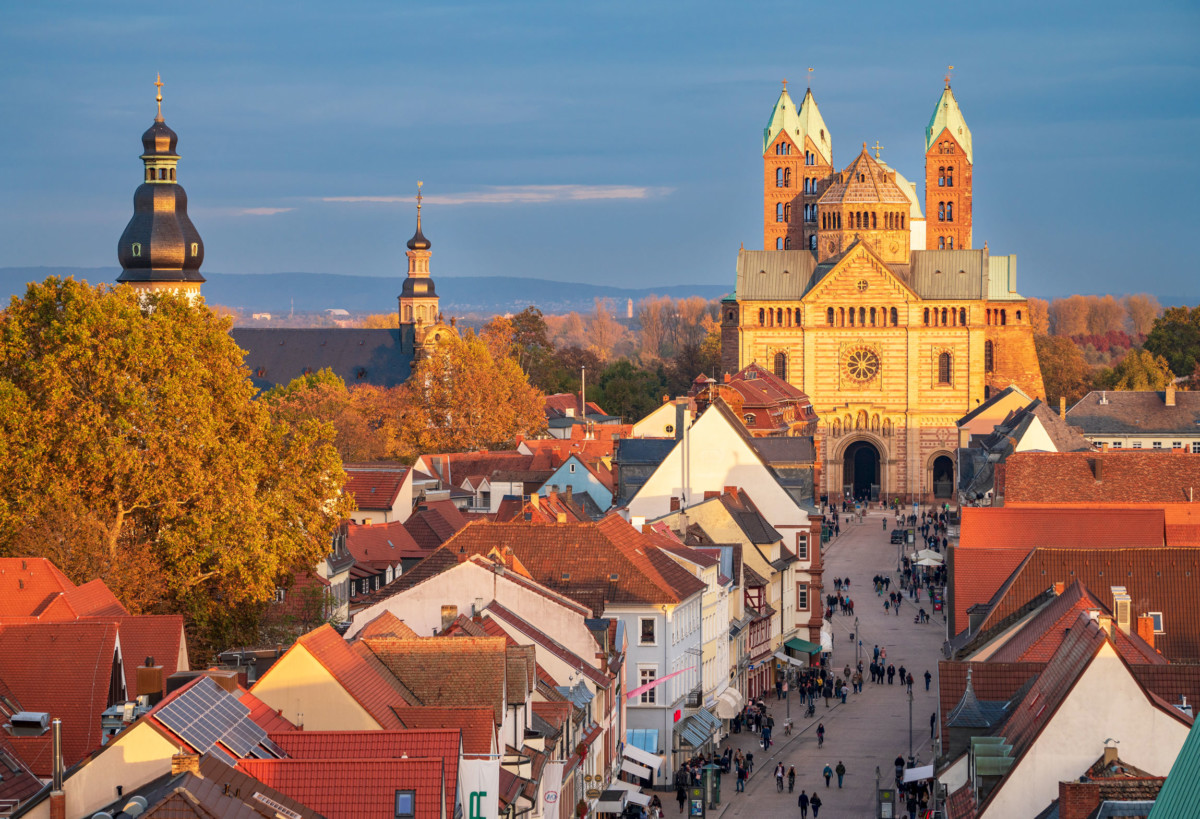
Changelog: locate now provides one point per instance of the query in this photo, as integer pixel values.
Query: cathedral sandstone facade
(888, 319)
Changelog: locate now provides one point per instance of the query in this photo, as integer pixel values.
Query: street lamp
(857, 644)
(910, 741)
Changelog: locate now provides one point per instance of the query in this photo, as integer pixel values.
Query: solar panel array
(206, 714)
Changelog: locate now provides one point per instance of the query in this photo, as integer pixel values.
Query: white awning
(632, 792)
(653, 761)
(639, 798)
(611, 802)
(779, 655)
(729, 704)
(827, 637)
(914, 774)
(629, 766)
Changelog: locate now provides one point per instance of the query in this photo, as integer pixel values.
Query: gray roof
(642, 450)
(949, 274)
(1136, 413)
(776, 450)
(277, 356)
(774, 275)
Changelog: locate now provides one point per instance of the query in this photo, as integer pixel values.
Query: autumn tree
(1105, 314)
(138, 420)
(1069, 316)
(1039, 316)
(1065, 372)
(359, 417)
(1176, 337)
(604, 331)
(461, 397)
(655, 316)
(1138, 370)
(380, 321)
(1141, 309)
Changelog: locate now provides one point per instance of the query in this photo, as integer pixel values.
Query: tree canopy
(1065, 372)
(1176, 337)
(142, 457)
(1138, 370)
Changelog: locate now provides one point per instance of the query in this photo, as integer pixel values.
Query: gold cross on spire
(877, 148)
(158, 96)
(785, 85)
(419, 197)
(949, 71)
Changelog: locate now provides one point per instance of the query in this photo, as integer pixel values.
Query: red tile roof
(386, 625)
(267, 718)
(476, 723)
(1094, 527)
(434, 523)
(1159, 580)
(558, 404)
(547, 642)
(375, 486)
(381, 545)
(374, 692)
(1126, 476)
(354, 788)
(64, 669)
(975, 576)
(160, 636)
(93, 599)
(427, 743)
(29, 584)
(17, 781)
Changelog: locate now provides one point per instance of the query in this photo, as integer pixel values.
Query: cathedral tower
(418, 299)
(160, 249)
(865, 202)
(797, 162)
(948, 163)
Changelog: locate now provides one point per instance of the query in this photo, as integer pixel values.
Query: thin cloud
(519, 195)
(262, 211)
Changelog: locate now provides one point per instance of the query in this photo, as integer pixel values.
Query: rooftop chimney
(562, 517)
(1062, 406)
(150, 681)
(1105, 622)
(1059, 588)
(1145, 628)
(1097, 465)
(1122, 603)
(1169, 396)
(58, 799)
(534, 500)
(185, 763)
(1110, 754)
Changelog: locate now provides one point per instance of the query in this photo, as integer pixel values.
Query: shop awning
(629, 766)
(612, 801)
(915, 774)
(803, 646)
(697, 729)
(827, 637)
(729, 703)
(641, 745)
(779, 655)
(632, 792)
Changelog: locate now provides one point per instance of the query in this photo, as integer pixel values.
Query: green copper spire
(813, 126)
(948, 117)
(798, 124)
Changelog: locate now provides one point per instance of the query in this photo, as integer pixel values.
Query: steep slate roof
(374, 692)
(778, 449)
(357, 356)
(746, 515)
(375, 486)
(1141, 412)
(354, 788)
(1162, 580)
(992, 681)
(1096, 527)
(1126, 476)
(63, 669)
(429, 743)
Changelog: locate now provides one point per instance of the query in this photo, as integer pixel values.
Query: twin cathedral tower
(889, 318)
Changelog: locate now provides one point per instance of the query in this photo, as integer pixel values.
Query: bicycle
(779, 784)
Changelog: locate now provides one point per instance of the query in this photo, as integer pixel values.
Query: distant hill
(307, 292)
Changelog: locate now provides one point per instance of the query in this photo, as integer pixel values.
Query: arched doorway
(861, 475)
(943, 477)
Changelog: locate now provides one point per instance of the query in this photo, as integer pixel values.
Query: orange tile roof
(532, 632)
(1094, 527)
(476, 723)
(975, 576)
(365, 684)
(380, 545)
(1126, 476)
(434, 523)
(426, 743)
(386, 625)
(159, 636)
(28, 585)
(375, 486)
(19, 781)
(267, 718)
(64, 669)
(558, 404)
(93, 599)
(354, 788)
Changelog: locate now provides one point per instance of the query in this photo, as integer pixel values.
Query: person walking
(791, 778)
(932, 723)
(903, 674)
(681, 797)
(741, 778)
(928, 679)
(815, 802)
(803, 803)
(827, 773)
(841, 772)
(820, 734)
(891, 672)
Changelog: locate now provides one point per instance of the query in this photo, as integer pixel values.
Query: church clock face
(861, 364)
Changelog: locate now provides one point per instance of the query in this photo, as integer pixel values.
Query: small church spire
(158, 83)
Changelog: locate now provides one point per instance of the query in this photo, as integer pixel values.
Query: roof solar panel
(206, 714)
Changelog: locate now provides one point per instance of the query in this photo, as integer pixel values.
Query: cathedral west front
(888, 318)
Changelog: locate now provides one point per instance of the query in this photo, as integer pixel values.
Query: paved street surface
(872, 727)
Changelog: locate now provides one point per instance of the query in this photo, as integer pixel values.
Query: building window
(1157, 617)
(802, 545)
(748, 418)
(787, 243)
(812, 242)
(779, 243)
(895, 317)
(926, 316)
(801, 597)
(195, 249)
(779, 212)
(797, 316)
(941, 243)
(1177, 445)
(406, 804)
(950, 243)
(646, 635)
(572, 468)
(645, 677)
(1137, 444)
(280, 595)
(787, 213)
(944, 368)
(787, 177)
(136, 249)
(1117, 444)
(779, 177)
(950, 177)
(988, 357)
(781, 365)
(941, 177)
(962, 316)
(1156, 445)
(941, 211)
(949, 211)
(1196, 447)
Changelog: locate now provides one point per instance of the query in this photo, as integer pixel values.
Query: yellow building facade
(892, 343)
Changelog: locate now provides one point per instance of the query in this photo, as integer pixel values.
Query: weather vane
(949, 71)
(158, 83)
(419, 197)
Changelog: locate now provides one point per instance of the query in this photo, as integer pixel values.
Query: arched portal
(943, 477)
(861, 475)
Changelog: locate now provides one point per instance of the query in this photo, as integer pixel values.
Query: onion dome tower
(160, 249)
(418, 298)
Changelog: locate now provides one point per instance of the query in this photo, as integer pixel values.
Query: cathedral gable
(860, 275)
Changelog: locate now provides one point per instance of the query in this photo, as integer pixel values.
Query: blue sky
(615, 142)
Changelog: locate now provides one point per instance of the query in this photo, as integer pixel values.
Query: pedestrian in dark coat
(928, 678)
(803, 803)
(816, 805)
(827, 773)
(891, 671)
(841, 772)
(681, 797)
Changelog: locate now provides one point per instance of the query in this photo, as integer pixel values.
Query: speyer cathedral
(892, 322)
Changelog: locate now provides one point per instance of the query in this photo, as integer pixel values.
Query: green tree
(1065, 372)
(139, 419)
(1176, 337)
(630, 391)
(1138, 370)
